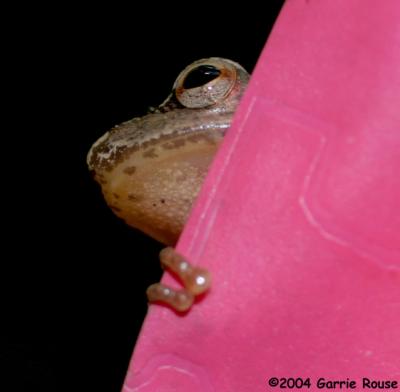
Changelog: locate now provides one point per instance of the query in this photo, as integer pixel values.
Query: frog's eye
(200, 76)
(205, 83)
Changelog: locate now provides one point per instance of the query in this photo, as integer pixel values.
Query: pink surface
(299, 218)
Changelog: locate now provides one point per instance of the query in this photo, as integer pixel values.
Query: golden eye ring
(205, 83)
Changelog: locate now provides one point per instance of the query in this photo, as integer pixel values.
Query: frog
(151, 168)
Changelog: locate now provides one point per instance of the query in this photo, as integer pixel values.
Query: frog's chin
(153, 190)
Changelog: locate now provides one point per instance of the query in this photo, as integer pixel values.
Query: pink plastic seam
(298, 220)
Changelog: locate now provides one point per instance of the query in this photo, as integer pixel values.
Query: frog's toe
(180, 300)
(196, 280)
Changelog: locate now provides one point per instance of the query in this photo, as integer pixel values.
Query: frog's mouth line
(105, 155)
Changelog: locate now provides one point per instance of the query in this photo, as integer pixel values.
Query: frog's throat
(153, 188)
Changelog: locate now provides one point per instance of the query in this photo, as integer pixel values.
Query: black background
(74, 276)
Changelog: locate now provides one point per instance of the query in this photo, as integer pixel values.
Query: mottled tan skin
(151, 168)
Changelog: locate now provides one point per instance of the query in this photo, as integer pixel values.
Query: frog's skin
(151, 168)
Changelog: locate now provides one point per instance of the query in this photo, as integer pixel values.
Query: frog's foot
(195, 280)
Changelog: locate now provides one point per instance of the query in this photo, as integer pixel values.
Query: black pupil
(201, 76)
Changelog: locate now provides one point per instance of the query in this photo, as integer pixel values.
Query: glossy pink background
(299, 217)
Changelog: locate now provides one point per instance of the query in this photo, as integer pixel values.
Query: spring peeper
(151, 168)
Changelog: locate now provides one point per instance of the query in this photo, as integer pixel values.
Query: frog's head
(151, 168)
